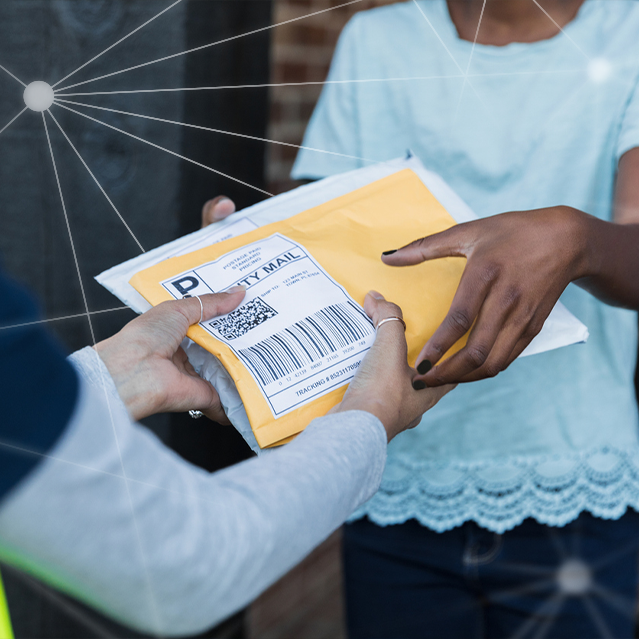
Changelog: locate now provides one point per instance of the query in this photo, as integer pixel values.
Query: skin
(149, 367)
(519, 263)
(506, 21)
(152, 373)
(384, 384)
(217, 209)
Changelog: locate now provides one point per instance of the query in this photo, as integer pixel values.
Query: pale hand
(384, 382)
(149, 368)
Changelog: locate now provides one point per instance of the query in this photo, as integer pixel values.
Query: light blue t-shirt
(532, 125)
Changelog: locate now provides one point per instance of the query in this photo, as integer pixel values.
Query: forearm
(173, 549)
(611, 270)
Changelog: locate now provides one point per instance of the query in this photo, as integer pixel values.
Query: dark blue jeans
(409, 582)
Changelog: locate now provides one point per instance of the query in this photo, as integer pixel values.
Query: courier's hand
(518, 265)
(383, 385)
(151, 372)
(217, 209)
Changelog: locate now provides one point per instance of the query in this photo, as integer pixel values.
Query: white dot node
(574, 577)
(38, 96)
(599, 70)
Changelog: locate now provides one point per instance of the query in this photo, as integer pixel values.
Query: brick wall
(305, 604)
(301, 52)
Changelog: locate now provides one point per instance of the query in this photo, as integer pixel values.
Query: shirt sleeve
(119, 521)
(629, 131)
(37, 385)
(334, 125)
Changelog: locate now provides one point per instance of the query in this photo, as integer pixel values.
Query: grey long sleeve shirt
(116, 519)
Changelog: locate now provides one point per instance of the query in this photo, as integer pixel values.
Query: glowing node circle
(38, 96)
(599, 70)
(574, 577)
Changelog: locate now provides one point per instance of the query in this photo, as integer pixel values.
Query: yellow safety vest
(6, 632)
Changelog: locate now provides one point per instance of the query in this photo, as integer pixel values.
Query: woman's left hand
(384, 385)
(151, 371)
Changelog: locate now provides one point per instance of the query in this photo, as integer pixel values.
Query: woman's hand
(518, 265)
(217, 209)
(151, 371)
(384, 382)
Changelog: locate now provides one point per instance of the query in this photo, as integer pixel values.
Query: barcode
(308, 341)
(244, 319)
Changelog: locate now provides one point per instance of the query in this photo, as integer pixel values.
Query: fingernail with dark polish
(389, 252)
(424, 366)
(419, 385)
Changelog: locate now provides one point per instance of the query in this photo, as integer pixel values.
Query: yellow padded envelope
(346, 237)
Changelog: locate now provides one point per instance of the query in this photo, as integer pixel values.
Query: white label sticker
(225, 233)
(298, 332)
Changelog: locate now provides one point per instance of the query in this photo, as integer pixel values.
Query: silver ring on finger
(201, 308)
(196, 414)
(391, 319)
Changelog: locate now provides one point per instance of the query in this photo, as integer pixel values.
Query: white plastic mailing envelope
(297, 339)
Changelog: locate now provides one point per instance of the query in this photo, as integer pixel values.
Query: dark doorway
(158, 195)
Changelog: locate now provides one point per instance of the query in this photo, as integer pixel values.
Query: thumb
(390, 340)
(204, 307)
(169, 321)
(217, 209)
(215, 304)
(453, 242)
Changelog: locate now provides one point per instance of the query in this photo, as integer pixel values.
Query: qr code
(240, 321)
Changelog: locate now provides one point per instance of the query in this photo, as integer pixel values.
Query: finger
(218, 416)
(200, 395)
(390, 337)
(511, 343)
(181, 361)
(377, 308)
(466, 305)
(453, 242)
(491, 341)
(217, 209)
(167, 323)
(216, 412)
(500, 359)
(533, 327)
(431, 396)
(222, 303)
(194, 392)
(497, 361)
(532, 330)
(213, 304)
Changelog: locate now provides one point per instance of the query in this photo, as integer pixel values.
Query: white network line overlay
(572, 577)
(39, 97)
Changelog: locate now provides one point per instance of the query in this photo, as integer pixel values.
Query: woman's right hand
(383, 385)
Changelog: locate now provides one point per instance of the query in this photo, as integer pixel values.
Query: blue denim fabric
(409, 582)
(38, 387)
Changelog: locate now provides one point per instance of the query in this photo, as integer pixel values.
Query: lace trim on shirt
(499, 496)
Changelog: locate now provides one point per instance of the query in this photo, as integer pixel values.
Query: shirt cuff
(91, 368)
